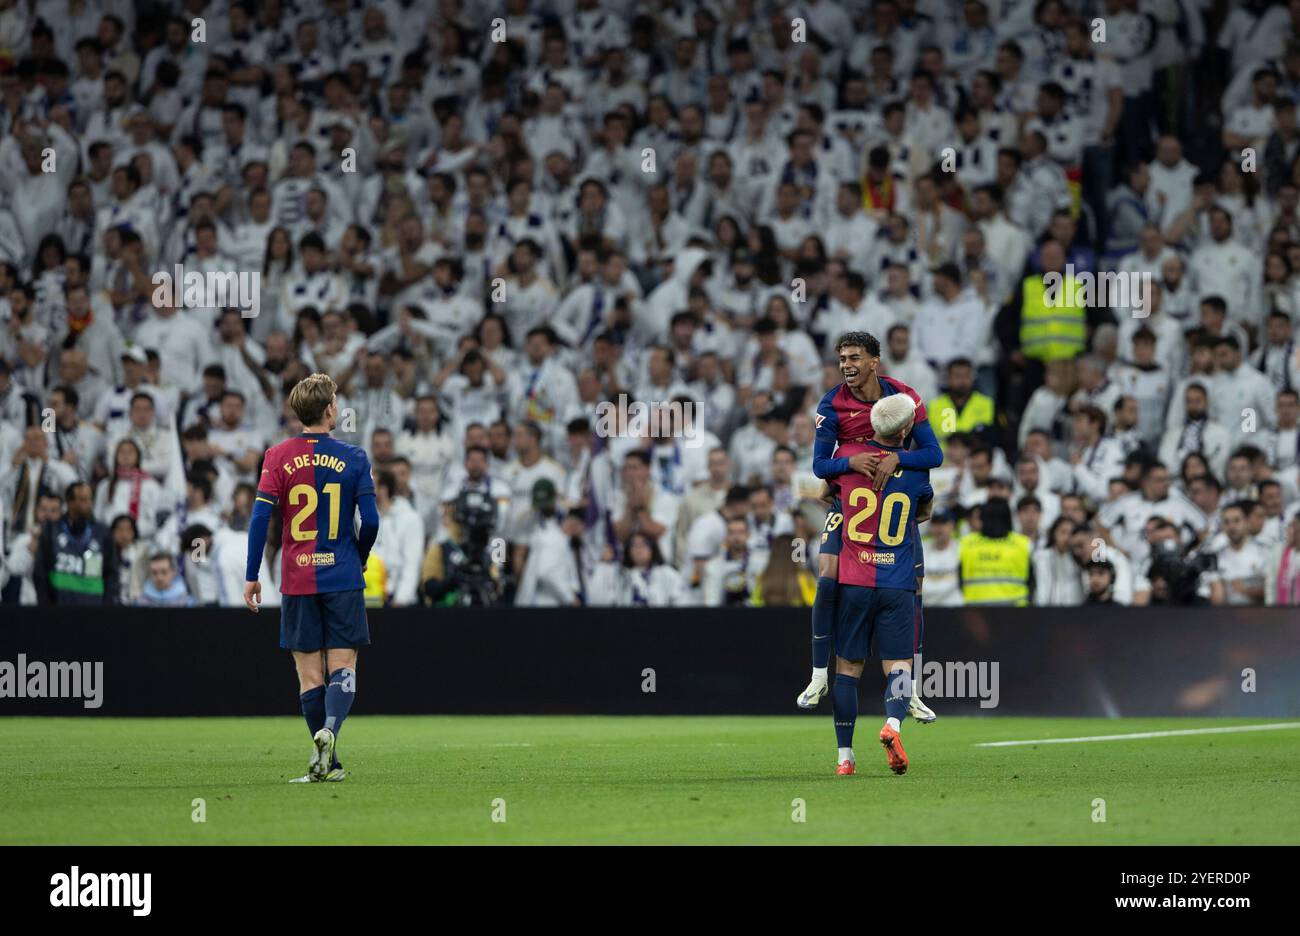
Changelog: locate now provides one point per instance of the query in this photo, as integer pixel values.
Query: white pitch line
(1145, 734)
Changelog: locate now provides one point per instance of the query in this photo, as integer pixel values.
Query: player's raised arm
(825, 464)
(927, 453)
(925, 456)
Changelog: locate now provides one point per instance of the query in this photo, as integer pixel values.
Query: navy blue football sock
(823, 620)
(338, 698)
(313, 709)
(844, 706)
(898, 693)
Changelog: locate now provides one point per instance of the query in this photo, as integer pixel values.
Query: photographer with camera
(461, 570)
(1123, 520)
(552, 574)
(1179, 577)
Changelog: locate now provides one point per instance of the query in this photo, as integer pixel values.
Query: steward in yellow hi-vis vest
(1053, 319)
(973, 413)
(961, 408)
(996, 564)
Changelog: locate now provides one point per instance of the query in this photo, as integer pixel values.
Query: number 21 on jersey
(305, 495)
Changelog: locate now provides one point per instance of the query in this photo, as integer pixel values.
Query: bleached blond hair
(892, 415)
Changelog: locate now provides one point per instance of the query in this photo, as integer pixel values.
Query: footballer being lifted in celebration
(877, 601)
(318, 484)
(844, 418)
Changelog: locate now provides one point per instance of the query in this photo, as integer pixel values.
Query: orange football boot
(894, 753)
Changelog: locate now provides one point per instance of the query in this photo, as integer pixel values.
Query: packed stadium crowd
(488, 221)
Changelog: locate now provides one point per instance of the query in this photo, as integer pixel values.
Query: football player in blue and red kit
(844, 417)
(319, 485)
(877, 600)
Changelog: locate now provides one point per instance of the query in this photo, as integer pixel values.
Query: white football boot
(322, 756)
(815, 692)
(919, 710)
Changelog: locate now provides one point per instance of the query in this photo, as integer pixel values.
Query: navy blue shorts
(885, 618)
(833, 531)
(330, 620)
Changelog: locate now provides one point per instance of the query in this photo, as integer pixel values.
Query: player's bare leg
(311, 691)
(844, 705)
(916, 708)
(898, 689)
(828, 569)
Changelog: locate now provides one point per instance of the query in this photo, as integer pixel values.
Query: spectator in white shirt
(183, 342)
(1284, 442)
(1242, 398)
(551, 573)
(645, 580)
(1195, 432)
(1097, 459)
(851, 308)
(1249, 124)
(1242, 564)
(159, 447)
(953, 323)
(400, 543)
(1222, 266)
(1123, 521)
(1148, 381)
(1057, 579)
(233, 440)
(430, 449)
(641, 507)
(729, 577)
(129, 490)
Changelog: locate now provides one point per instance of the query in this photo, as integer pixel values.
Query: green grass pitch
(642, 780)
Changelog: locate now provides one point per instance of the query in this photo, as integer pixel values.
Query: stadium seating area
(488, 222)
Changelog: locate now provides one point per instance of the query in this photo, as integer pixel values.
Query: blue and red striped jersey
(880, 531)
(314, 480)
(844, 421)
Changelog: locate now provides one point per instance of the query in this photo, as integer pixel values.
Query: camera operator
(1178, 577)
(1123, 521)
(551, 572)
(475, 477)
(460, 570)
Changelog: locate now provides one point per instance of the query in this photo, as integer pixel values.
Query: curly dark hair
(858, 339)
